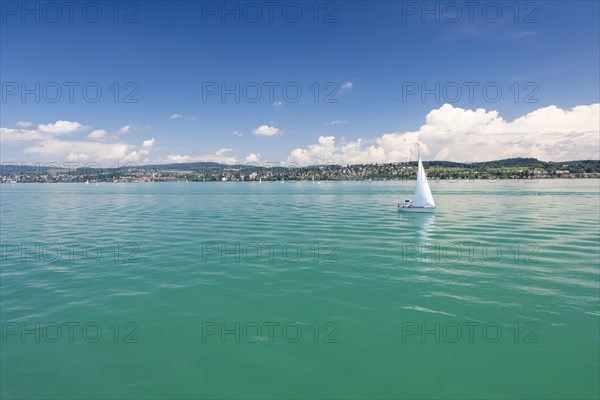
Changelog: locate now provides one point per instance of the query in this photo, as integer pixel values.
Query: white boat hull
(417, 209)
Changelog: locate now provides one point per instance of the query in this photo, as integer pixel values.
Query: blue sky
(366, 57)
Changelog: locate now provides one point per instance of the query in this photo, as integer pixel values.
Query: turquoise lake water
(300, 290)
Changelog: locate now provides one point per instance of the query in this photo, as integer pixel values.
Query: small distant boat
(260, 180)
(423, 199)
(12, 181)
(87, 182)
(313, 179)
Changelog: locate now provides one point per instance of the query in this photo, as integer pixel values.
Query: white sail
(423, 197)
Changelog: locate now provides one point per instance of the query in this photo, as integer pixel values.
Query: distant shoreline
(510, 169)
(450, 180)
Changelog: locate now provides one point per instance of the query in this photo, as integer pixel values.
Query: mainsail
(423, 197)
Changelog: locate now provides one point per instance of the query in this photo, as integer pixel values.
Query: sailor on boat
(407, 204)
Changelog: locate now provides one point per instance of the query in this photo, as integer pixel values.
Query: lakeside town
(517, 168)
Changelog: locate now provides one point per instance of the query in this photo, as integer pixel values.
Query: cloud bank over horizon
(448, 134)
(456, 134)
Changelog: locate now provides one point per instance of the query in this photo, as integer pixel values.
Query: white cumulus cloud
(72, 150)
(61, 127)
(124, 129)
(43, 131)
(23, 124)
(253, 158)
(49, 146)
(20, 135)
(98, 134)
(456, 134)
(266, 130)
(218, 156)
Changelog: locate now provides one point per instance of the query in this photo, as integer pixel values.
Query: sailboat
(422, 200)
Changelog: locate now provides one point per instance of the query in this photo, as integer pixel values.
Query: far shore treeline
(513, 168)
